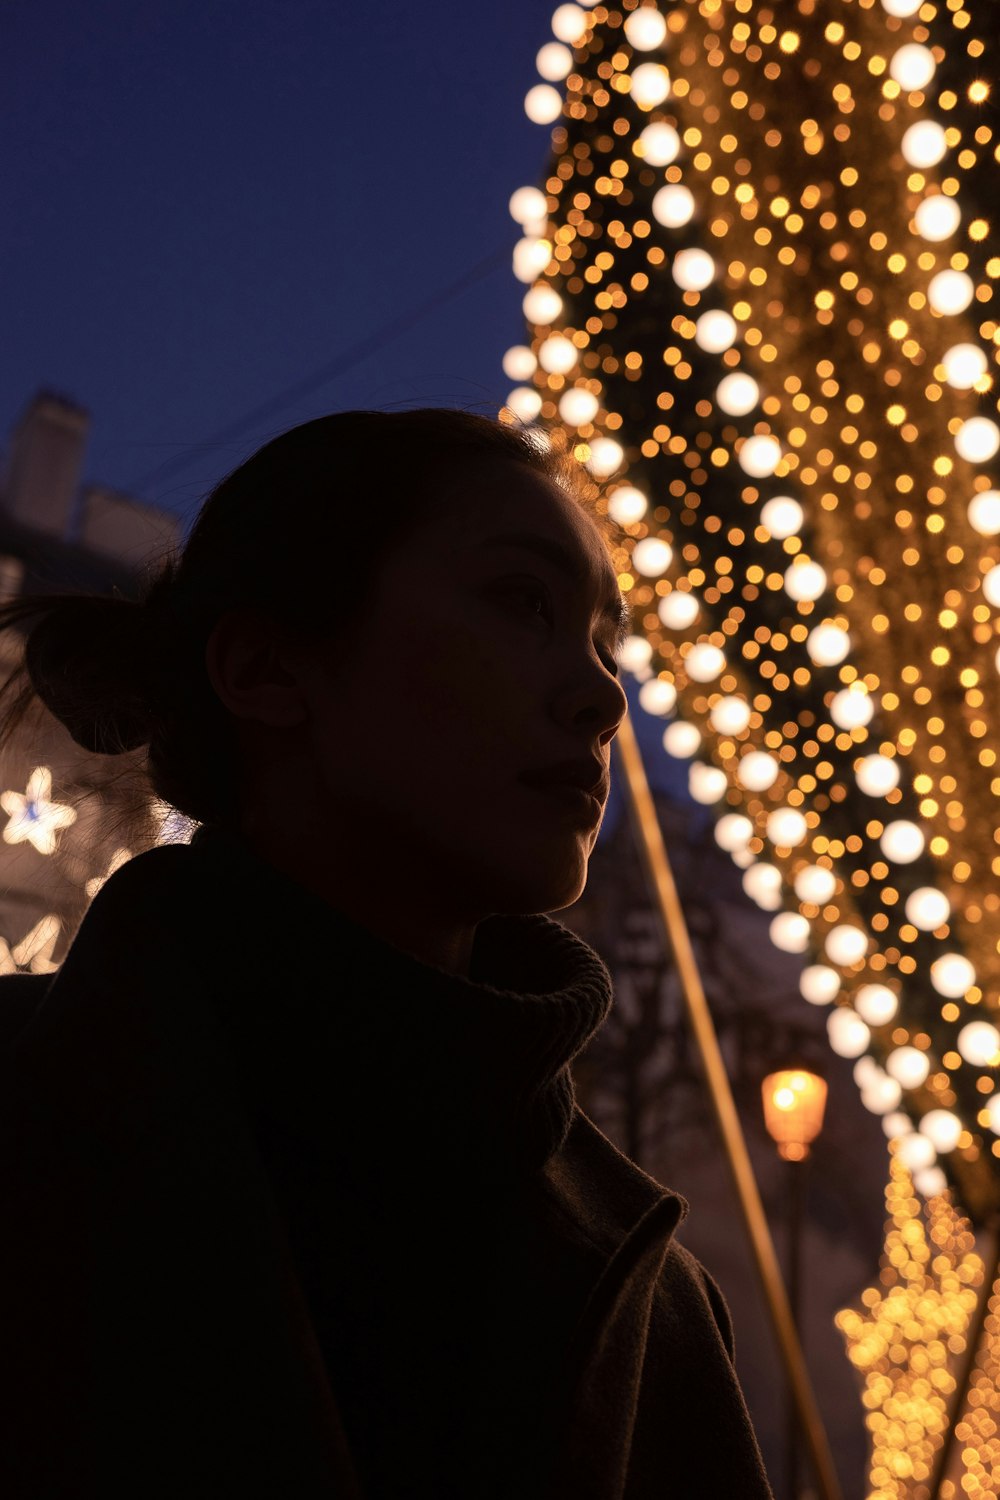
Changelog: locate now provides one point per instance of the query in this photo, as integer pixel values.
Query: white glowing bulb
(790, 932)
(681, 739)
(849, 1036)
(804, 579)
(678, 610)
(852, 707)
(558, 354)
(673, 205)
(605, 457)
(733, 831)
(846, 944)
(877, 775)
(715, 331)
(927, 908)
(950, 292)
(942, 1129)
(531, 256)
(760, 455)
(902, 8)
(519, 363)
(660, 144)
(554, 61)
(704, 662)
(931, 1182)
(525, 403)
(991, 586)
(896, 1125)
(578, 407)
(693, 269)
(786, 828)
(876, 1004)
(627, 505)
(543, 104)
(762, 883)
(992, 1107)
(979, 1043)
(757, 771)
(977, 440)
(937, 218)
(828, 644)
(815, 883)
(964, 364)
(650, 84)
(912, 66)
(882, 1095)
(782, 516)
(952, 975)
(542, 304)
(916, 1151)
(635, 654)
(908, 1066)
(652, 556)
(569, 23)
(645, 29)
(819, 984)
(730, 715)
(924, 144)
(866, 1071)
(984, 512)
(902, 842)
(657, 696)
(707, 784)
(527, 204)
(737, 394)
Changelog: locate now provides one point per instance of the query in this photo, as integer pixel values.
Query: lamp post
(794, 1101)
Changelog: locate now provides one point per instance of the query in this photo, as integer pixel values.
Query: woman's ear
(255, 670)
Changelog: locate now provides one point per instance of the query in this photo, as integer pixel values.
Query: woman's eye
(535, 591)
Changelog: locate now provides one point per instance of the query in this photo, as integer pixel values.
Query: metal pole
(973, 1343)
(654, 855)
(796, 1206)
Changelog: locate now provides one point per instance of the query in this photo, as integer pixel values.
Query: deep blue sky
(205, 201)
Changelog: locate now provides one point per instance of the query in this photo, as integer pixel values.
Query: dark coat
(312, 1218)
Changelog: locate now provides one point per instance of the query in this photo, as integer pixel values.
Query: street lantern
(794, 1101)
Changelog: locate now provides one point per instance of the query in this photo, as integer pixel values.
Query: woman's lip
(570, 797)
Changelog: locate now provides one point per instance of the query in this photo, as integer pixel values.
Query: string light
(778, 353)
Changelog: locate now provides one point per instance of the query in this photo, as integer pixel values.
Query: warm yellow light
(794, 1101)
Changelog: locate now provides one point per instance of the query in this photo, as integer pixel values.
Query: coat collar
(340, 1039)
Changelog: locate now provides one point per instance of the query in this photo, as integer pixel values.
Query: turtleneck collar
(352, 1047)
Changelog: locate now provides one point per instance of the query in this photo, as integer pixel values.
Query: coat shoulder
(600, 1187)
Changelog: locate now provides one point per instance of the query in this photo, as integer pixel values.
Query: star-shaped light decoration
(33, 954)
(34, 817)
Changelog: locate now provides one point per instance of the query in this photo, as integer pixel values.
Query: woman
(301, 1202)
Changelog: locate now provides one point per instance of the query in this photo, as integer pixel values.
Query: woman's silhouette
(298, 1201)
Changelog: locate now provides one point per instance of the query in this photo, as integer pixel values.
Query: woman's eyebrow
(617, 609)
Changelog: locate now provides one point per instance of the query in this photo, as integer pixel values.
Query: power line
(341, 363)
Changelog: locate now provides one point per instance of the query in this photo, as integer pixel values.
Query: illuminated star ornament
(33, 817)
(760, 293)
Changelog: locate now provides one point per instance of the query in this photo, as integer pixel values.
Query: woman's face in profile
(480, 659)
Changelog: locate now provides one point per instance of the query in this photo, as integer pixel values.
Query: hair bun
(92, 662)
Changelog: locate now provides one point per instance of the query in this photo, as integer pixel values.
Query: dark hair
(298, 531)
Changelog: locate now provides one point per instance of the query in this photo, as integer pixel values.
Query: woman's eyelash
(538, 591)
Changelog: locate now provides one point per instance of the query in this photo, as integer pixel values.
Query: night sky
(223, 217)
(214, 208)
